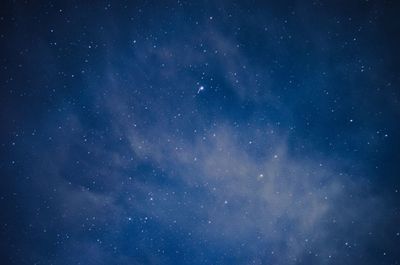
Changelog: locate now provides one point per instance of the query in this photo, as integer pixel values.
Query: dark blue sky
(200, 132)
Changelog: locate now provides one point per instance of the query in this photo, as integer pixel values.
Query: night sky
(199, 132)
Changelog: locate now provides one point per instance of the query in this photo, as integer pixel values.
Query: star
(201, 88)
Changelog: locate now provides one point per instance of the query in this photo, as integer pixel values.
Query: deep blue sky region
(200, 132)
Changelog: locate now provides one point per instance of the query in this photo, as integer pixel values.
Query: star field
(199, 132)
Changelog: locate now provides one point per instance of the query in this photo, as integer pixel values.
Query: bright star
(201, 88)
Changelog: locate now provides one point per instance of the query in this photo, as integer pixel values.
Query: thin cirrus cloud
(238, 187)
